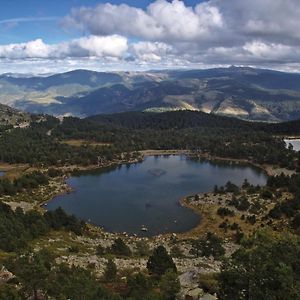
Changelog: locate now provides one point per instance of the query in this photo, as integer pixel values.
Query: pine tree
(160, 261)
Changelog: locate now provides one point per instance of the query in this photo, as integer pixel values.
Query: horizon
(125, 35)
(28, 74)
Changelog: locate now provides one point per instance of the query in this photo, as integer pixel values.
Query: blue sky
(59, 35)
(49, 30)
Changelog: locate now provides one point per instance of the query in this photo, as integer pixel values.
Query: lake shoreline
(172, 152)
(65, 188)
(270, 170)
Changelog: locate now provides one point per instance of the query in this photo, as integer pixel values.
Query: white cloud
(91, 46)
(99, 46)
(213, 22)
(270, 19)
(32, 49)
(151, 52)
(271, 51)
(173, 34)
(161, 21)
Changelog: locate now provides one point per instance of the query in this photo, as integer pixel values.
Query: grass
(78, 143)
(60, 242)
(209, 282)
(14, 171)
(4, 256)
(210, 220)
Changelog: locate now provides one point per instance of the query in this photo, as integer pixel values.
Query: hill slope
(251, 94)
(190, 119)
(11, 116)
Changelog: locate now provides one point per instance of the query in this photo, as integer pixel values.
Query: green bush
(110, 272)
(210, 245)
(120, 248)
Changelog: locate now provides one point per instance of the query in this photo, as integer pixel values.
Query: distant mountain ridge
(246, 93)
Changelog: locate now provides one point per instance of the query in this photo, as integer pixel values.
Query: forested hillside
(46, 142)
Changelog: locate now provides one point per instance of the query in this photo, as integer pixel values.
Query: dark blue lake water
(147, 193)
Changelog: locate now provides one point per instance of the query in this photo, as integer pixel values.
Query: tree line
(18, 228)
(43, 142)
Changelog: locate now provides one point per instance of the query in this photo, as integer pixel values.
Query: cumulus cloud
(271, 51)
(273, 20)
(171, 33)
(99, 46)
(31, 49)
(161, 21)
(91, 46)
(234, 20)
(151, 51)
(216, 24)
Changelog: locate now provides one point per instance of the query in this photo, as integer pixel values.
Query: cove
(127, 197)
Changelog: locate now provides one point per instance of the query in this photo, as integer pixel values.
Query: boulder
(194, 294)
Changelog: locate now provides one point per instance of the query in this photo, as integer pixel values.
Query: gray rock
(188, 279)
(195, 294)
(208, 297)
(191, 294)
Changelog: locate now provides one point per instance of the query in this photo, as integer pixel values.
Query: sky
(42, 36)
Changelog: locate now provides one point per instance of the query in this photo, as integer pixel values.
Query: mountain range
(243, 92)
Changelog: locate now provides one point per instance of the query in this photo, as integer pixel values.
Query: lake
(127, 197)
(295, 143)
(1, 173)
